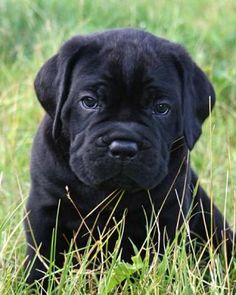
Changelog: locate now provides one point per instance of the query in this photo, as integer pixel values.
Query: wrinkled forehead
(126, 65)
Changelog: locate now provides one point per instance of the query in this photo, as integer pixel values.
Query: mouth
(121, 182)
(104, 172)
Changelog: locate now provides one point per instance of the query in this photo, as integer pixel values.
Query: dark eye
(89, 102)
(161, 108)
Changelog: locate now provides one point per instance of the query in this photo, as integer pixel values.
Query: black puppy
(123, 108)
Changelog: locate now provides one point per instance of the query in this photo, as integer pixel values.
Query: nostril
(123, 149)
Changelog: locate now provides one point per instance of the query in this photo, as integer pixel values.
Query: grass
(30, 32)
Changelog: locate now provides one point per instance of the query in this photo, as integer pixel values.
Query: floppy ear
(198, 96)
(64, 76)
(52, 85)
(198, 101)
(46, 84)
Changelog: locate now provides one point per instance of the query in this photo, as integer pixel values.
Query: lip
(116, 182)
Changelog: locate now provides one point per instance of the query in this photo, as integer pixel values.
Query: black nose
(123, 149)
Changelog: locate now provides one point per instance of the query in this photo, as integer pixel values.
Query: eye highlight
(161, 108)
(88, 102)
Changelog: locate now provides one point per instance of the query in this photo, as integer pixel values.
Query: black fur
(128, 71)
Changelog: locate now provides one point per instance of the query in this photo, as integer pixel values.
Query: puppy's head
(122, 97)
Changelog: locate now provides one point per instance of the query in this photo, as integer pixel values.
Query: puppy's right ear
(52, 83)
(46, 84)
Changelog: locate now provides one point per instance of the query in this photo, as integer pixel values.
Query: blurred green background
(32, 31)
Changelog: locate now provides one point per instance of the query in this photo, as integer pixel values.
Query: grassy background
(32, 31)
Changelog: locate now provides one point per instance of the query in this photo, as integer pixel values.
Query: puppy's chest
(100, 225)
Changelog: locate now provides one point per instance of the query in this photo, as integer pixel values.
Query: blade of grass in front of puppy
(110, 198)
(52, 267)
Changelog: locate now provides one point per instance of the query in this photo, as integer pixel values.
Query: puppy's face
(121, 98)
(123, 113)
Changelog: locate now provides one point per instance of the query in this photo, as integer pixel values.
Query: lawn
(30, 33)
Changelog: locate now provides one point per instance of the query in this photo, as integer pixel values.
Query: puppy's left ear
(198, 98)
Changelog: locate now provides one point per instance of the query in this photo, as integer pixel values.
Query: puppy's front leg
(43, 247)
(210, 223)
